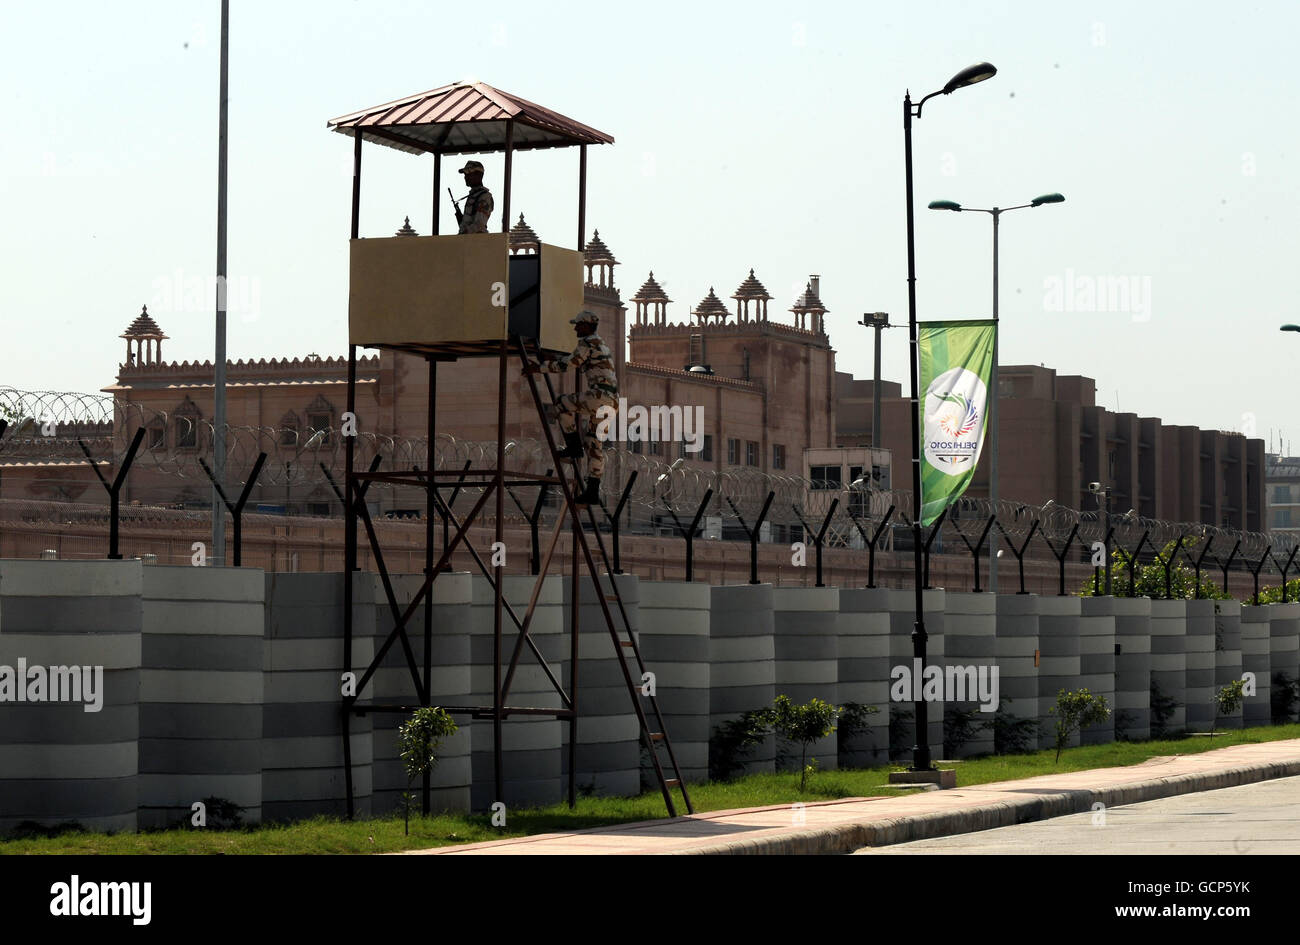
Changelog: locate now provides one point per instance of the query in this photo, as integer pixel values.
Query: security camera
(1094, 487)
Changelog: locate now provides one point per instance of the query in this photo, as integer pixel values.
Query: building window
(318, 422)
(289, 429)
(157, 437)
(778, 456)
(656, 448)
(751, 453)
(320, 416)
(733, 452)
(1281, 518)
(827, 477)
(636, 446)
(187, 433)
(706, 454)
(1282, 494)
(855, 473)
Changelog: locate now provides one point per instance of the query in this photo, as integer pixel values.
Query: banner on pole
(956, 365)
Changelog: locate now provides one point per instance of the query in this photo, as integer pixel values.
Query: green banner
(956, 365)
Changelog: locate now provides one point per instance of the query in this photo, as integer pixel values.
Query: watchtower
(468, 296)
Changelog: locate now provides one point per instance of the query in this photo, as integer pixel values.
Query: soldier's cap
(585, 317)
(472, 166)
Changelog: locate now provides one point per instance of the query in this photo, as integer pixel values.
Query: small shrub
(900, 720)
(417, 741)
(222, 814)
(853, 722)
(1227, 701)
(1011, 735)
(1162, 710)
(733, 741)
(1284, 696)
(960, 726)
(1075, 711)
(801, 725)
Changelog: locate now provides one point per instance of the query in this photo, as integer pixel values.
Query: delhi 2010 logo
(954, 413)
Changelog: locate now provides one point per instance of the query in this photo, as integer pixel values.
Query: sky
(764, 135)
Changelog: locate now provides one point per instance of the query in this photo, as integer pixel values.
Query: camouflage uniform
(592, 357)
(478, 207)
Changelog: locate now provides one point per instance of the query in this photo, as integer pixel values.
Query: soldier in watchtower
(594, 360)
(478, 205)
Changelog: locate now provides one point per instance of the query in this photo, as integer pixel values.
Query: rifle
(455, 209)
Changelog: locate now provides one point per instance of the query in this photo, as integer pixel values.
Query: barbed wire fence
(59, 435)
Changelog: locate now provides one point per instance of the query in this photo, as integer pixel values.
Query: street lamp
(996, 213)
(878, 321)
(968, 76)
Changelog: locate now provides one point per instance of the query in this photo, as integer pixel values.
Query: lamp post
(968, 76)
(996, 213)
(878, 321)
(218, 554)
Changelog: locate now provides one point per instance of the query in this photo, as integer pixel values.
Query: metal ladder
(623, 640)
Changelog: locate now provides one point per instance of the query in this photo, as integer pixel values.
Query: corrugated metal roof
(465, 118)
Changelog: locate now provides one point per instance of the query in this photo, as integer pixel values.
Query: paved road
(1253, 818)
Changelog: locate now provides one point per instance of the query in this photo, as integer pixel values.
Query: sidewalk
(845, 825)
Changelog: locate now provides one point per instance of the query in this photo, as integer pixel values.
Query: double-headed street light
(996, 213)
(968, 76)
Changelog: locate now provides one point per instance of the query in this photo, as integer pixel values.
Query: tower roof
(808, 301)
(596, 251)
(406, 229)
(522, 235)
(143, 327)
(751, 288)
(465, 118)
(711, 307)
(651, 291)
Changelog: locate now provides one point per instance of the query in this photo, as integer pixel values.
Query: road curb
(845, 838)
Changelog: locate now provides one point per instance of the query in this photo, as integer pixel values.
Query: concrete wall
(902, 620)
(1017, 650)
(1169, 662)
(806, 648)
(1132, 668)
(530, 745)
(674, 639)
(1284, 647)
(1097, 663)
(1198, 643)
(608, 756)
(1256, 637)
(201, 691)
(1227, 654)
(742, 661)
(303, 773)
(227, 682)
(863, 666)
(59, 763)
(394, 685)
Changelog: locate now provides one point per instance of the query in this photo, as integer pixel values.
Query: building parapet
(654, 370)
(679, 329)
